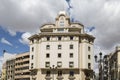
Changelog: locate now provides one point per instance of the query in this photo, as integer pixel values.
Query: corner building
(61, 51)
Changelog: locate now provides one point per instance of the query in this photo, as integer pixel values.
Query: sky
(19, 19)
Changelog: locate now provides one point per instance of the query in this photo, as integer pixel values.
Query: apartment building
(114, 64)
(61, 51)
(10, 69)
(3, 73)
(22, 66)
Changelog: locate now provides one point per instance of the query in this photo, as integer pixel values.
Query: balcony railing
(48, 77)
(60, 77)
(71, 77)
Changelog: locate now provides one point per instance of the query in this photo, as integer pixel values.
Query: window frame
(60, 73)
(47, 47)
(71, 73)
(59, 46)
(59, 55)
(59, 38)
(48, 38)
(71, 46)
(32, 57)
(89, 57)
(32, 65)
(71, 64)
(89, 48)
(48, 73)
(89, 65)
(32, 49)
(71, 55)
(47, 55)
(59, 62)
(71, 37)
(47, 64)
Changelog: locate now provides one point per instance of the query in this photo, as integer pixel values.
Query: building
(61, 51)
(22, 66)
(3, 76)
(114, 65)
(105, 67)
(10, 69)
(0, 76)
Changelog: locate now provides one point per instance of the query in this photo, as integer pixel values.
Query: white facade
(64, 45)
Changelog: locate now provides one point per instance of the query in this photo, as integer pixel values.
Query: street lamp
(99, 64)
(53, 68)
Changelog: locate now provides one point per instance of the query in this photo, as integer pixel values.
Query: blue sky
(11, 43)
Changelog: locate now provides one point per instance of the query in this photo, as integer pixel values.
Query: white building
(61, 51)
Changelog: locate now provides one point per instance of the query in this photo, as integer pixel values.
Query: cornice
(47, 24)
(61, 34)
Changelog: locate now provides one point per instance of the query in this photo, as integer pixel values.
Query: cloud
(11, 32)
(24, 38)
(6, 56)
(3, 40)
(29, 15)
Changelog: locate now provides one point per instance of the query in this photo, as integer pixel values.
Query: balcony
(60, 77)
(72, 77)
(22, 76)
(48, 77)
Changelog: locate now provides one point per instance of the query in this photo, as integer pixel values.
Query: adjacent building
(0, 76)
(10, 69)
(61, 51)
(3, 75)
(114, 65)
(22, 66)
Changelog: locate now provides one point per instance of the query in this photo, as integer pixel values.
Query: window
(32, 56)
(71, 55)
(47, 46)
(47, 55)
(48, 38)
(71, 73)
(62, 23)
(71, 37)
(71, 64)
(59, 46)
(59, 73)
(89, 48)
(31, 65)
(47, 73)
(59, 55)
(89, 65)
(59, 64)
(47, 64)
(88, 56)
(59, 38)
(71, 46)
(32, 41)
(60, 29)
(32, 49)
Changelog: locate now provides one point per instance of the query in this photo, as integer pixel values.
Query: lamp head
(95, 57)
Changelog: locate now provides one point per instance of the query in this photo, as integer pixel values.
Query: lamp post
(99, 64)
(53, 68)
